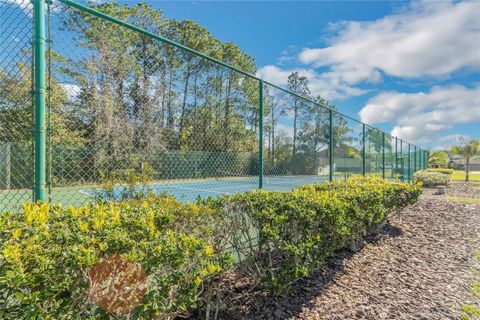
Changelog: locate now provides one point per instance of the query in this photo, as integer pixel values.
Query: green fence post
(396, 156)
(383, 155)
(409, 171)
(8, 167)
(424, 162)
(402, 161)
(420, 165)
(39, 98)
(260, 135)
(424, 159)
(49, 102)
(415, 159)
(421, 160)
(330, 146)
(363, 149)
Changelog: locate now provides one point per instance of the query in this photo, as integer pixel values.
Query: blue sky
(412, 69)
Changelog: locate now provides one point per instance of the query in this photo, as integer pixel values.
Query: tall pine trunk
(185, 94)
(226, 123)
(294, 150)
(273, 136)
(170, 117)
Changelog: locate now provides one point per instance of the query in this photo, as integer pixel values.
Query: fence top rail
(130, 26)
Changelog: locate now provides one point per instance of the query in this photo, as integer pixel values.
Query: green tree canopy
(438, 157)
(467, 150)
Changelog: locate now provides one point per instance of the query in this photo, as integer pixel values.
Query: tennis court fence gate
(88, 93)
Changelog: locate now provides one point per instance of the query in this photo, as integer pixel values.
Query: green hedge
(430, 178)
(441, 170)
(283, 236)
(47, 252)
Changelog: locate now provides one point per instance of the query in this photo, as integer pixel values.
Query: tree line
(121, 97)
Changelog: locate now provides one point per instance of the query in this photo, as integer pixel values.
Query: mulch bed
(464, 189)
(417, 267)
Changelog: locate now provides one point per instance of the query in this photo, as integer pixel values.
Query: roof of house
(458, 158)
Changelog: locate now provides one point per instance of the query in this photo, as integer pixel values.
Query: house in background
(346, 159)
(474, 162)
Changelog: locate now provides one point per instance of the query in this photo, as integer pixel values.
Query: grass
(464, 200)
(470, 311)
(459, 175)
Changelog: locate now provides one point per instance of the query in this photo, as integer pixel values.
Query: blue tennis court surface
(192, 189)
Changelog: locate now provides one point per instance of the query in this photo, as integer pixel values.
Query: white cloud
(289, 55)
(284, 129)
(25, 5)
(428, 39)
(16, 2)
(320, 84)
(422, 117)
(71, 89)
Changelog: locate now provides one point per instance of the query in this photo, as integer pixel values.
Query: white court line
(282, 180)
(87, 193)
(166, 187)
(199, 190)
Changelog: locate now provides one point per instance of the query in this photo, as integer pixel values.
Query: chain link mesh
(16, 107)
(132, 102)
(122, 103)
(296, 140)
(348, 147)
(374, 151)
(389, 157)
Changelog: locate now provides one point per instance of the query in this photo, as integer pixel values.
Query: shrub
(457, 166)
(394, 194)
(438, 158)
(51, 257)
(282, 236)
(47, 252)
(431, 178)
(125, 184)
(441, 170)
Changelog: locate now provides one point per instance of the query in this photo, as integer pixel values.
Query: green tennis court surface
(183, 190)
(190, 190)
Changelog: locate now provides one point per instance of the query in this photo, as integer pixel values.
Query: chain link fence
(124, 97)
(16, 103)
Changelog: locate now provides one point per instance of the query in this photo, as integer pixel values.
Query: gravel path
(418, 267)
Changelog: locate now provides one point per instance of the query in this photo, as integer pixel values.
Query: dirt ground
(418, 267)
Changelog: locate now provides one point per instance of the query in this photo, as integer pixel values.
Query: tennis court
(192, 189)
(182, 189)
